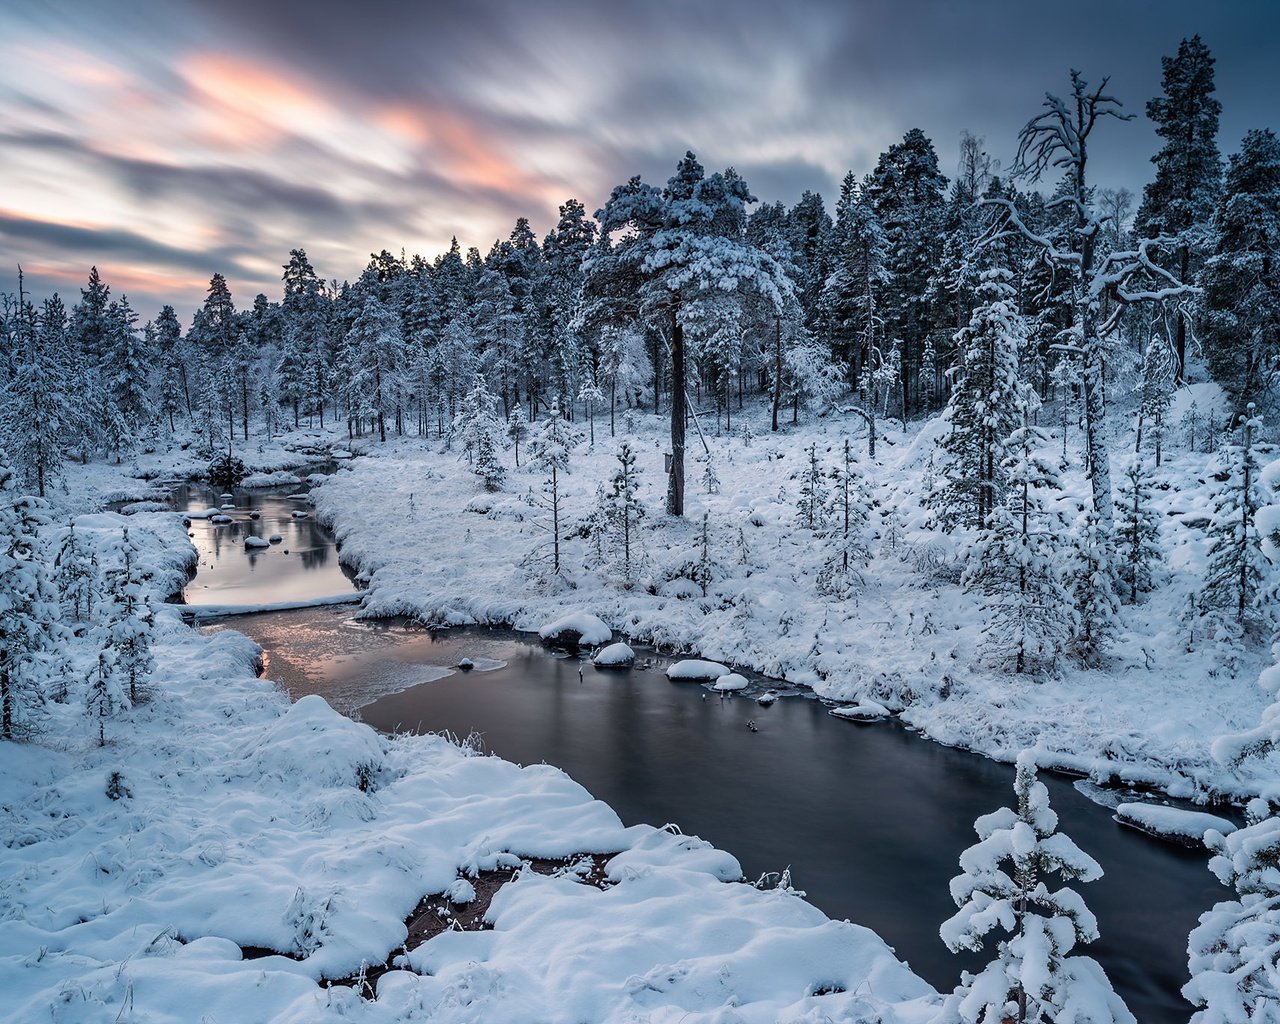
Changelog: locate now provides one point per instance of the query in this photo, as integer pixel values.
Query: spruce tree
(842, 571)
(1179, 203)
(1240, 321)
(1234, 953)
(29, 619)
(37, 411)
(1137, 531)
(549, 450)
(127, 367)
(1154, 398)
(1093, 572)
(984, 406)
(128, 619)
(1005, 887)
(811, 508)
(624, 506)
(1236, 563)
(517, 431)
(76, 574)
(1016, 566)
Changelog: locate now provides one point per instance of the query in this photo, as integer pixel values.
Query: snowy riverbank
(146, 879)
(431, 543)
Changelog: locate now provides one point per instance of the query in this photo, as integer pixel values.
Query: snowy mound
(298, 513)
(1187, 827)
(731, 681)
(220, 519)
(867, 711)
(694, 671)
(339, 453)
(280, 478)
(207, 513)
(614, 656)
(577, 628)
(256, 542)
(313, 741)
(275, 538)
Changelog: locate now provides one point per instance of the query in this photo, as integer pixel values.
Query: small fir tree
(1236, 563)
(128, 627)
(1234, 953)
(811, 509)
(549, 449)
(29, 629)
(75, 574)
(1016, 564)
(517, 431)
(1092, 574)
(1004, 886)
(842, 572)
(104, 695)
(1155, 393)
(1137, 531)
(625, 509)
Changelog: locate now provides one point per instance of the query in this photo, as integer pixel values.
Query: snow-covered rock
(864, 711)
(280, 478)
(256, 542)
(275, 538)
(207, 513)
(577, 628)
(1181, 826)
(692, 670)
(767, 698)
(731, 681)
(614, 656)
(255, 514)
(220, 519)
(299, 513)
(466, 664)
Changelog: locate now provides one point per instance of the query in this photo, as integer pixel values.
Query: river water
(870, 819)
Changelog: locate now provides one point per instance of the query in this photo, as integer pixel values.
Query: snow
(614, 656)
(867, 711)
(256, 542)
(211, 611)
(277, 478)
(585, 628)
(693, 670)
(298, 513)
(731, 681)
(244, 820)
(1172, 822)
(910, 639)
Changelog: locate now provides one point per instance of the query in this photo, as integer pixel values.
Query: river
(870, 819)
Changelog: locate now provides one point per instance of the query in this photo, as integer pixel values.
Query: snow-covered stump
(576, 630)
(1187, 828)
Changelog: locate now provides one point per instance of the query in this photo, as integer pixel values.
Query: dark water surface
(870, 819)
(303, 565)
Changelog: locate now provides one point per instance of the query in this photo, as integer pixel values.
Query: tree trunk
(675, 482)
(777, 369)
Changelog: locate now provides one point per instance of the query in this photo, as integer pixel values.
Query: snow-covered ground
(219, 817)
(431, 543)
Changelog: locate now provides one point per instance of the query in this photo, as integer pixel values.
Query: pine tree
(517, 431)
(984, 406)
(625, 508)
(843, 570)
(75, 574)
(1240, 322)
(104, 695)
(1093, 570)
(1137, 531)
(128, 619)
(1179, 203)
(811, 509)
(1016, 565)
(29, 619)
(1234, 953)
(90, 327)
(549, 451)
(1005, 885)
(477, 425)
(1236, 563)
(1154, 397)
(376, 344)
(703, 571)
(37, 411)
(127, 367)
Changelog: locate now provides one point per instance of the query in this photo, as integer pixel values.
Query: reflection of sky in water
(871, 819)
(303, 565)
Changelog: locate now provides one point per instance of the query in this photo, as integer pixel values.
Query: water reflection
(302, 566)
(871, 819)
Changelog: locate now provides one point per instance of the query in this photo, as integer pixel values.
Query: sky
(166, 140)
